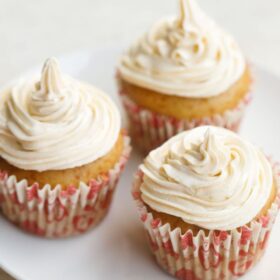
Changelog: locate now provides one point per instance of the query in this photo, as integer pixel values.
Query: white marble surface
(32, 30)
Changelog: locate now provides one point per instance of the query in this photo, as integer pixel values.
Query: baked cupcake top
(188, 56)
(208, 177)
(55, 122)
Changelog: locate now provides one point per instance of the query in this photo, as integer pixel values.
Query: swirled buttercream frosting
(208, 177)
(55, 122)
(189, 56)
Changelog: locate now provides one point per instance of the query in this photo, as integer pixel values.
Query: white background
(32, 30)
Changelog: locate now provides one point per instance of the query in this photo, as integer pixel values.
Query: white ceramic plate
(117, 248)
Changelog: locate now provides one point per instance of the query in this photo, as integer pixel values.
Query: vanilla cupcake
(208, 200)
(61, 153)
(185, 72)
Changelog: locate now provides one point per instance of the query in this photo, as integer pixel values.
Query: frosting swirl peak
(55, 123)
(188, 56)
(189, 13)
(209, 177)
(51, 79)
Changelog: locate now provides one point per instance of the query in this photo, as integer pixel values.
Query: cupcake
(208, 200)
(185, 72)
(62, 151)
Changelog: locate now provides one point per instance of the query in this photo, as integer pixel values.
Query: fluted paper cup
(217, 255)
(56, 212)
(149, 129)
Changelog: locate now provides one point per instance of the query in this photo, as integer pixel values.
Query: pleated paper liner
(219, 255)
(149, 129)
(58, 212)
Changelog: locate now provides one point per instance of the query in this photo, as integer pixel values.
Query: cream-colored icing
(55, 123)
(189, 56)
(209, 177)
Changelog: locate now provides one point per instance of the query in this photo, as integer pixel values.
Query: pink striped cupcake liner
(149, 129)
(56, 212)
(218, 255)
